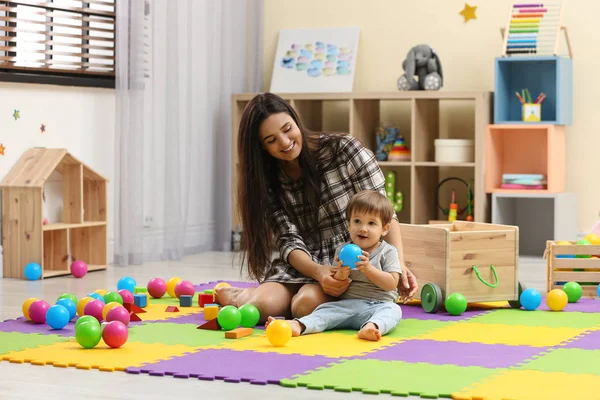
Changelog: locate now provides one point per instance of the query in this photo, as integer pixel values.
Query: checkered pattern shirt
(355, 168)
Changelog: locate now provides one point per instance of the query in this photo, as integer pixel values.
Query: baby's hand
(364, 261)
(342, 272)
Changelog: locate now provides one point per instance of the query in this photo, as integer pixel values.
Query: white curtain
(178, 62)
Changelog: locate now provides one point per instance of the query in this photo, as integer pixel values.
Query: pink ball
(184, 288)
(115, 334)
(78, 268)
(94, 308)
(38, 310)
(157, 288)
(126, 295)
(118, 314)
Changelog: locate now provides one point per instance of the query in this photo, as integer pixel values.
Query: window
(58, 41)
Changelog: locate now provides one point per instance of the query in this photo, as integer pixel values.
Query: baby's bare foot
(370, 332)
(227, 296)
(296, 326)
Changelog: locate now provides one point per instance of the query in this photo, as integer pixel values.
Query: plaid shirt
(353, 169)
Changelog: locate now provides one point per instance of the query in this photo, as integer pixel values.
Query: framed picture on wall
(315, 60)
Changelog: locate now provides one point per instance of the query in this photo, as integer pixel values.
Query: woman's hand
(408, 285)
(330, 285)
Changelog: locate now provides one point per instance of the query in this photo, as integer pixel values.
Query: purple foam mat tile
(583, 305)
(417, 312)
(210, 285)
(588, 341)
(225, 364)
(22, 325)
(455, 353)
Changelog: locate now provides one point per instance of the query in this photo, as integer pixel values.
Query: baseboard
(197, 238)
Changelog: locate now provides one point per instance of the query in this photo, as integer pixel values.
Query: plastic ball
(101, 292)
(250, 315)
(26, 305)
(81, 305)
(88, 334)
(70, 296)
(279, 332)
(126, 295)
(126, 283)
(69, 305)
(33, 271)
(456, 303)
(592, 238)
(94, 308)
(78, 269)
(115, 334)
(530, 299)
(564, 243)
(38, 310)
(586, 243)
(85, 318)
(109, 307)
(229, 317)
(171, 283)
(598, 290)
(57, 316)
(113, 297)
(557, 299)
(220, 285)
(118, 314)
(157, 287)
(573, 291)
(97, 296)
(349, 255)
(184, 288)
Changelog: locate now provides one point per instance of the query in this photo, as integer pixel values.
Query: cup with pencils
(531, 110)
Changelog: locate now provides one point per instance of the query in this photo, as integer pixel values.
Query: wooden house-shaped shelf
(82, 233)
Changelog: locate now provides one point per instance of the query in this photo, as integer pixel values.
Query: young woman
(293, 188)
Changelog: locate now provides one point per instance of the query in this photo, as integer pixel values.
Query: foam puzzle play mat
(173, 329)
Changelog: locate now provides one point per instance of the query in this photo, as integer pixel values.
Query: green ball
(70, 296)
(85, 318)
(229, 317)
(585, 243)
(573, 291)
(113, 297)
(250, 315)
(456, 303)
(88, 334)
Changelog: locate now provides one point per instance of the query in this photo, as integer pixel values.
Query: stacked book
(524, 181)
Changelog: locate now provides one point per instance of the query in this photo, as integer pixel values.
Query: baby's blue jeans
(352, 314)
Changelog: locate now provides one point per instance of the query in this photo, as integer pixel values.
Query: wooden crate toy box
(573, 262)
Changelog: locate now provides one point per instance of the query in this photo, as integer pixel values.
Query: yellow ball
(81, 305)
(26, 305)
(101, 292)
(592, 238)
(171, 283)
(557, 299)
(109, 307)
(279, 332)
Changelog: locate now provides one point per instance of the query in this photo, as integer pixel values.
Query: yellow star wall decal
(2, 148)
(468, 12)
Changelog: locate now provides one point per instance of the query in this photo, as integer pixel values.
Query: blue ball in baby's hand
(349, 255)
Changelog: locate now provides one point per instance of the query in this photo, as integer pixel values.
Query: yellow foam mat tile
(328, 344)
(533, 385)
(517, 335)
(156, 312)
(102, 357)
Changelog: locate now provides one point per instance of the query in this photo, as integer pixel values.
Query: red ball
(157, 288)
(184, 288)
(126, 295)
(94, 308)
(115, 334)
(118, 314)
(38, 310)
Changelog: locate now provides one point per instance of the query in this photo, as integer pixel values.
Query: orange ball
(279, 332)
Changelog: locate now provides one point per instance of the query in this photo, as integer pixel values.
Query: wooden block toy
(140, 300)
(208, 291)
(136, 309)
(172, 309)
(185, 300)
(134, 317)
(211, 311)
(212, 325)
(238, 333)
(127, 306)
(204, 299)
(140, 289)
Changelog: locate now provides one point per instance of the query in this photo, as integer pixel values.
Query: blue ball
(349, 255)
(57, 316)
(97, 297)
(530, 299)
(598, 290)
(127, 283)
(33, 271)
(69, 305)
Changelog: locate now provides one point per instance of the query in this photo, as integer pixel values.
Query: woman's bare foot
(370, 332)
(296, 326)
(228, 296)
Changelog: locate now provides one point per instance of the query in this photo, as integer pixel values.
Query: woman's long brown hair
(258, 183)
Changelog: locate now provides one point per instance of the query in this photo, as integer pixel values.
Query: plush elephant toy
(423, 62)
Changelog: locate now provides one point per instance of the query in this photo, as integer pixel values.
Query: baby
(369, 304)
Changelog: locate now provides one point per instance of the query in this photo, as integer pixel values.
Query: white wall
(81, 120)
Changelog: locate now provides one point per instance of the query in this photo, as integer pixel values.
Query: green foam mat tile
(16, 341)
(570, 361)
(550, 319)
(412, 328)
(395, 377)
(172, 334)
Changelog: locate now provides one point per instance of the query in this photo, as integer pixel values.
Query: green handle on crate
(483, 280)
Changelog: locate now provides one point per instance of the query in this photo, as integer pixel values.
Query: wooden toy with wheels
(476, 260)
